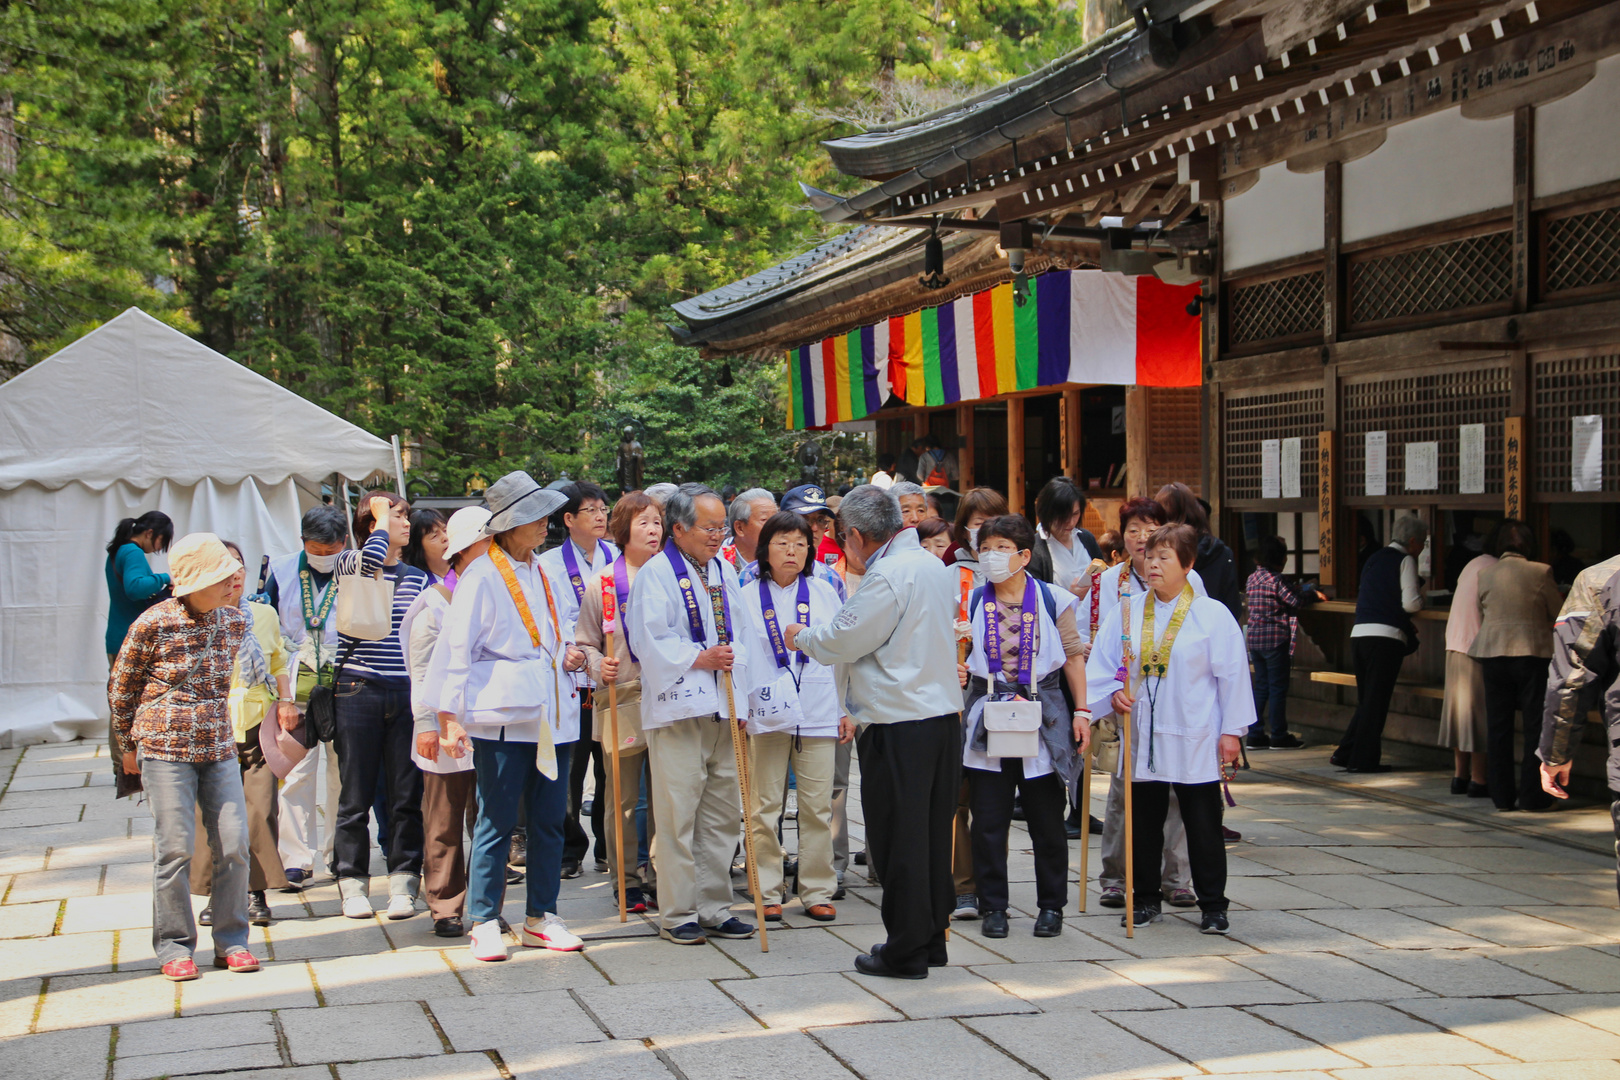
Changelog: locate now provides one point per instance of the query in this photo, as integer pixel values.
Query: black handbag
(321, 712)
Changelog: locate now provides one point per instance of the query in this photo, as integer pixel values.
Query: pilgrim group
(700, 657)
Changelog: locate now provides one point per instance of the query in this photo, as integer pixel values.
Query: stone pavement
(1380, 932)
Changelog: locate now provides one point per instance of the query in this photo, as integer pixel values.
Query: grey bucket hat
(515, 499)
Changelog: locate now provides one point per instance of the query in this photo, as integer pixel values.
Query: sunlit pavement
(1380, 930)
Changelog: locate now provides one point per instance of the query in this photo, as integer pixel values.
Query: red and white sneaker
(237, 960)
(180, 970)
(549, 932)
(487, 942)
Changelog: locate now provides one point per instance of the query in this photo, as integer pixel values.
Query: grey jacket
(895, 638)
(1518, 601)
(1586, 656)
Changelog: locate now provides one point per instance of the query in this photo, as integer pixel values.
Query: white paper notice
(1471, 459)
(1290, 469)
(1377, 464)
(1586, 453)
(1270, 469)
(1422, 466)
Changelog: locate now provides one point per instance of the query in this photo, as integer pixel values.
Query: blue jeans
(507, 778)
(179, 790)
(374, 734)
(1271, 670)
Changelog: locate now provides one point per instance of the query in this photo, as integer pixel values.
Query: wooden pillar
(1524, 143)
(1136, 441)
(1071, 436)
(968, 448)
(1015, 455)
(1327, 518)
(1332, 279)
(919, 424)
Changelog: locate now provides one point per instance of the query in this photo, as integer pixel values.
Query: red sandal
(180, 970)
(239, 960)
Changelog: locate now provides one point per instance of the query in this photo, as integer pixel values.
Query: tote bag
(365, 606)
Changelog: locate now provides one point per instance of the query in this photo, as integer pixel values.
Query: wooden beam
(968, 450)
(1524, 146)
(1072, 463)
(1332, 284)
(1015, 455)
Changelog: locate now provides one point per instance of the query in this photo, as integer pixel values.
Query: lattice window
(1575, 386)
(1453, 276)
(1583, 250)
(1281, 414)
(1281, 308)
(1423, 408)
(1175, 443)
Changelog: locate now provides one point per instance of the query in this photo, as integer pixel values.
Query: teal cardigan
(132, 588)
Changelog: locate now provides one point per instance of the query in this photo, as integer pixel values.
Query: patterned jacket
(172, 680)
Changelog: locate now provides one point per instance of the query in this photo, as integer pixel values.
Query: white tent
(136, 416)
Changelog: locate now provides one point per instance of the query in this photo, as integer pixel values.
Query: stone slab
(1329, 978)
(1602, 923)
(818, 999)
(1580, 968)
(65, 954)
(751, 1056)
(1454, 973)
(283, 985)
(201, 1060)
(527, 970)
(919, 1050)
(1079, 1046)
(53, 884)
(1567, 1070)
(1501, 926)
(58, 1055)
(1376, 1034)
(512, 1020)
(651, 1010)
(1402, 860)
(793, 952)
(1205, 980)
(1517, 1029)
(654, 960)
(19, 998)
(316, 939)
(1277, 894)
(598, 1061)
(359, 1032)
(1224, 1040)
(1283, 931)
(1394, 930)
(117, 999)
(1062, 987)
(448, 1067)
(29, 920)
(124, 911)
(396, 976)
(1365, 890)
(195, 1033)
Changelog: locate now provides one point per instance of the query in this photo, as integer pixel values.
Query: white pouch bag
(1012, 729)
(365, 605)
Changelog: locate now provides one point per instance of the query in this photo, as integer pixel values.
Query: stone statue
(631, 463)
(810, 463)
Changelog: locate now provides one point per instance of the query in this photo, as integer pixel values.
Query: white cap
(466, 528)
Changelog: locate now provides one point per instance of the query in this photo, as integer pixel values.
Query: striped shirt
(380, 661)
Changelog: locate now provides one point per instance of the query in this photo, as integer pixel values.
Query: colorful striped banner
(1081, 326)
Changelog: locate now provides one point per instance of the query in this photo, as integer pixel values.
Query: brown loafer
(773, 912)
(821, 912)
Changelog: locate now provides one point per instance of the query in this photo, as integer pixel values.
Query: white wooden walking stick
(1127, 771)
(739, 747)
(1085, 816)
(618, 803)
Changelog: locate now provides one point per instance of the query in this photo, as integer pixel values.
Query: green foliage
(461, 220)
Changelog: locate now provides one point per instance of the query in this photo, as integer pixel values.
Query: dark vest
(1379, 597)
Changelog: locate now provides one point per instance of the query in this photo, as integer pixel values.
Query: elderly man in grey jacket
(895, 643)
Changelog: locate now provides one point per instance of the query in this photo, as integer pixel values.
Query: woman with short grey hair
(1383, 636)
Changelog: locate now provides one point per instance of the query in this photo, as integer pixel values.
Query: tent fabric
(1076, 326)
(137, 402)
(133, 417)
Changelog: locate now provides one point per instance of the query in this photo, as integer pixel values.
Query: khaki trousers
(695, 799)
(630, 765)
(814, 762)
(449, 811)
(962, 844)
(259, 789)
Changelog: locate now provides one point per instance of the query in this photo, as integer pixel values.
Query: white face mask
(997, 565)
(321, 564)
(973, 537)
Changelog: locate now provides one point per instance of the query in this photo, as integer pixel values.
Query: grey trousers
(1177, 872)
(696, 803)
(181, 791)
(840, 808)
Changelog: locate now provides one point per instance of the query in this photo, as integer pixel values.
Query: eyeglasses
(717, 530)
(784, 543)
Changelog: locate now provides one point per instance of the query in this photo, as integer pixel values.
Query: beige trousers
(814, 762)
(630, 763)
(694, 797)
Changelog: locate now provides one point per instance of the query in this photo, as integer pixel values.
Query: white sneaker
(549, 932)
(357, 907)
(488, 943)
(401, 906)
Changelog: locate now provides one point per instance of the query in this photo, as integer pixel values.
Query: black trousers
(1514, 683)
(374, 735)
(1206, 849)
(1378, 663)
(910, 775)
(575, 842)
(1045, 801)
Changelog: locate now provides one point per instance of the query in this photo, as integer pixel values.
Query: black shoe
(967, 907)
(860, 858)
(685, 934)
(940, 959)
(1478, 791)
(867, 964)
(514, 877)
(519, 855)
(994, 925)
(258, 909)
(1288, 741)
(1049, 923)
(790, 867)
(1096, 825)
(733, 928)
(1231, 836)
(571, 868)
(1144, 915)
(1071, 830)
(1338, 761)
(205, 917)
(296, 879)
(601, 866)
(634, 902)
(1258, 742)
(1459, 785)
(450, 927)
(1018, 810)
(1214, 922)
(839, 893)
